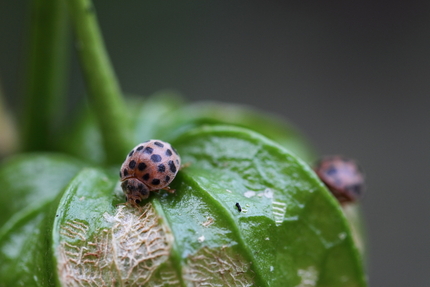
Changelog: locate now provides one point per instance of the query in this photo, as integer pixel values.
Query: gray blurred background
(354, 76)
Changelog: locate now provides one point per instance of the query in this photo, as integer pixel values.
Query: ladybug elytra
(150, 166)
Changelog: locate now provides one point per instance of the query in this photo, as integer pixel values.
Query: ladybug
(343, 177)
(150, 166)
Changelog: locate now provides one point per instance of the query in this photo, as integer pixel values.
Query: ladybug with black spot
(343, 177)
(150, 166)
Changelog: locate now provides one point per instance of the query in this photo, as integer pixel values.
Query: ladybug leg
(185, 165)
(169, 190)
(126, 203)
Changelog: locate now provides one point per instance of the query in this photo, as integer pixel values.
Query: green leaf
(290, 231)
(274, 127)
(83, 138)
(354, 216)
(165, 115)
(250, 170)
(30, 183)
(157, 116)
(24, 248)
(30, 180)
(246, 211)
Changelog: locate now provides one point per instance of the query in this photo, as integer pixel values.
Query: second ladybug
(150, 166)
(342, 176)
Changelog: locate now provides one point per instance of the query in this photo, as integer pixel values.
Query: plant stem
(103, 88)
(8, 142)
(46, 73)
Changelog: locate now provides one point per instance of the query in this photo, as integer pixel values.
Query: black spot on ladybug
(161, 168)
(331, 170)
(144, 191)
(155, 181)
(177, 161)
(238, 207)
(132, 164)
(168, 152)
(141, 166)
(125, 172)
(167, 178)
(145, 176)
(140, 186)
(172, 166)
(174, 150)
(159, 144)
(156, 158)
(140, 148)
(120, 175)
(355, 188)
(131, 153)
(148, 150)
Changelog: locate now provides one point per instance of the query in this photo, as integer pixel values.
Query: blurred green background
(354, 76)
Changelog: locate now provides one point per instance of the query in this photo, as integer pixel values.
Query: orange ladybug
(343, 177)
(150, 166)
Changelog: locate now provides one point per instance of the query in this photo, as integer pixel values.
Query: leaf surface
(246, 211)
(293, 225)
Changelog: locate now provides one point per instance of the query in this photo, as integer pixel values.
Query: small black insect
(238, 207)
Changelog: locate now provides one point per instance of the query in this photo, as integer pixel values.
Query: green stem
(103, 88)
(8, 140)
(46, 73)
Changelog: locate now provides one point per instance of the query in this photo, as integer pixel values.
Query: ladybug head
(135, 190)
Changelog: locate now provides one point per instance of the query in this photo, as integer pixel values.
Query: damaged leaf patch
(128, 253)
(219, 267)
